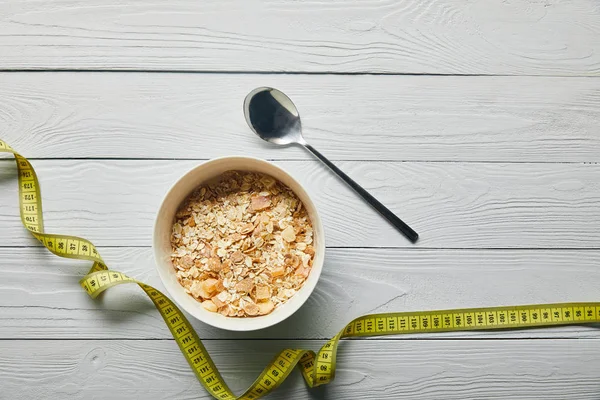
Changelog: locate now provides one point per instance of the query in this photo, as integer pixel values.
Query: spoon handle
(383, 210)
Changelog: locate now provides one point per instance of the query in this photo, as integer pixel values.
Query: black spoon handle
(383, 210)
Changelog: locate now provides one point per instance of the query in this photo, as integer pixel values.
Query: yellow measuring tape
(317, 368)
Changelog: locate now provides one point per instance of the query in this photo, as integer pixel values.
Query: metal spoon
(274, 118)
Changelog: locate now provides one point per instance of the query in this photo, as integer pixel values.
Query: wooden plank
(40, 297)
(130, 115)
(470, 369)
(451, 205)
(418, 36)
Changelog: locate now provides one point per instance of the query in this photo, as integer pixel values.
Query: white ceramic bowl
(162, 245)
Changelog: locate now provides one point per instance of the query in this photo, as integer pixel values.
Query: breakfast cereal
(242, 245)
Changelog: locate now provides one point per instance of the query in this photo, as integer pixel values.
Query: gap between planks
(306, 159)
(378, 338)
(254, 72)
(536, 249)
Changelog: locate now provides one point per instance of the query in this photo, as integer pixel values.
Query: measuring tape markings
(317, 368)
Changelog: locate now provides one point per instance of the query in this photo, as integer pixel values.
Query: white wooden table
(476, 122)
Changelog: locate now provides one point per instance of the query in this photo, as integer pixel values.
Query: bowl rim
(287, 309)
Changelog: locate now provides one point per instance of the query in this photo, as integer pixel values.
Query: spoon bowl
(273, 116)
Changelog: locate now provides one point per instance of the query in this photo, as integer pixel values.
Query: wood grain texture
(451, 205)
(461, 370)
(500, 175)
(40, 297)
(411, 36)
(131, 115)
